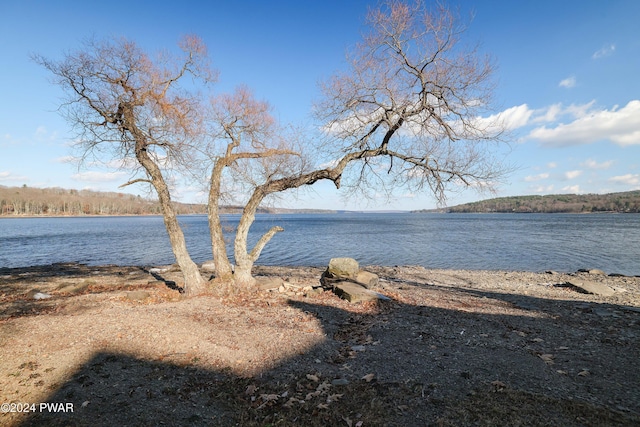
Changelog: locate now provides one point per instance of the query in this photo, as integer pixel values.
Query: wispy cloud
(569, 82)
(11, 177)
(511, 118)
(572, 189)
(539, 177)
(572, 174)
(604, 51)
(542, 189)
(93, 176)
(592, 164)
(618, 125)
(628, 179)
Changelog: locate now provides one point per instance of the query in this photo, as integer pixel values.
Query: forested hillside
(627, 202)
(26, 201)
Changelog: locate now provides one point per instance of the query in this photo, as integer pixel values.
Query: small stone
(340, 381)
(41, 295)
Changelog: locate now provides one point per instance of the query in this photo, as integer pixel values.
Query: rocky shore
(440, 347)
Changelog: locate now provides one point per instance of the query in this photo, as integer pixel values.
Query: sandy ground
(450, 348)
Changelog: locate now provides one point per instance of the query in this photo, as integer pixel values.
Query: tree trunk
(245, 259)
(194, 283)
(218, 246)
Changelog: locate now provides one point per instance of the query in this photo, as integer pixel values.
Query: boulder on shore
(344, 277)
(353, 292)
(343, 267)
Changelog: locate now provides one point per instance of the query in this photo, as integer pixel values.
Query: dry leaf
(548, 358)
(313, 378)
(250, 389)
(334, 397)
(584, 373)
(325, 386)
(348, 421)
(312, 395)
(322, 406)
(368, 377)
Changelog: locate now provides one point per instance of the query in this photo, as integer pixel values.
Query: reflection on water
(533, 242)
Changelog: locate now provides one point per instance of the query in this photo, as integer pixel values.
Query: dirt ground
(451, 348)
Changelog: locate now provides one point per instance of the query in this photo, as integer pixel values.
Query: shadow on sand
(558, 363)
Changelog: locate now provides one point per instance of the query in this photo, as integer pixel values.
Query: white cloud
(552, 165)
(93, 176)
(9, 177)
(572, 189)
(618, 125)
(549, 114)
(511, 118)
(592, 164)
(572, 174)
(533, 178)
(627, 179)
(604, 51)
(65, 159)
(569, 82)
(542, 189)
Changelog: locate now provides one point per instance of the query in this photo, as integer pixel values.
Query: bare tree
(254, 150)
(406, 114)
(411, 105)
(127, 105)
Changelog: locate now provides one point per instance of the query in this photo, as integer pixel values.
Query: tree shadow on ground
(556, 363)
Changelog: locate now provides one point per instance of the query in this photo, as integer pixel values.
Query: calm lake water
(533, 242)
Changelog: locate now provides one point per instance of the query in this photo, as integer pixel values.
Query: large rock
(589, 287)
(367, 279)
(346, 268)
(353, 292)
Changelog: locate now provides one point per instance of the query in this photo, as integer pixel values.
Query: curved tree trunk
(194, 283)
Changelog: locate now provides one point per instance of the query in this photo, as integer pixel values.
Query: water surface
(533, 242)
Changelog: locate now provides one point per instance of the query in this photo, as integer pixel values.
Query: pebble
(41, 295)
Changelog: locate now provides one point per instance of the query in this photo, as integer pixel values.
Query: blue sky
(567, 82)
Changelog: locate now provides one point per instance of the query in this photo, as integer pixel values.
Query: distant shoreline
(304, 212)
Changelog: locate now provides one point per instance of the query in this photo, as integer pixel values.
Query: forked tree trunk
(244, 259)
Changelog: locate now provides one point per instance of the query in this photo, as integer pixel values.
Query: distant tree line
(27, 201)
(626, 202)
